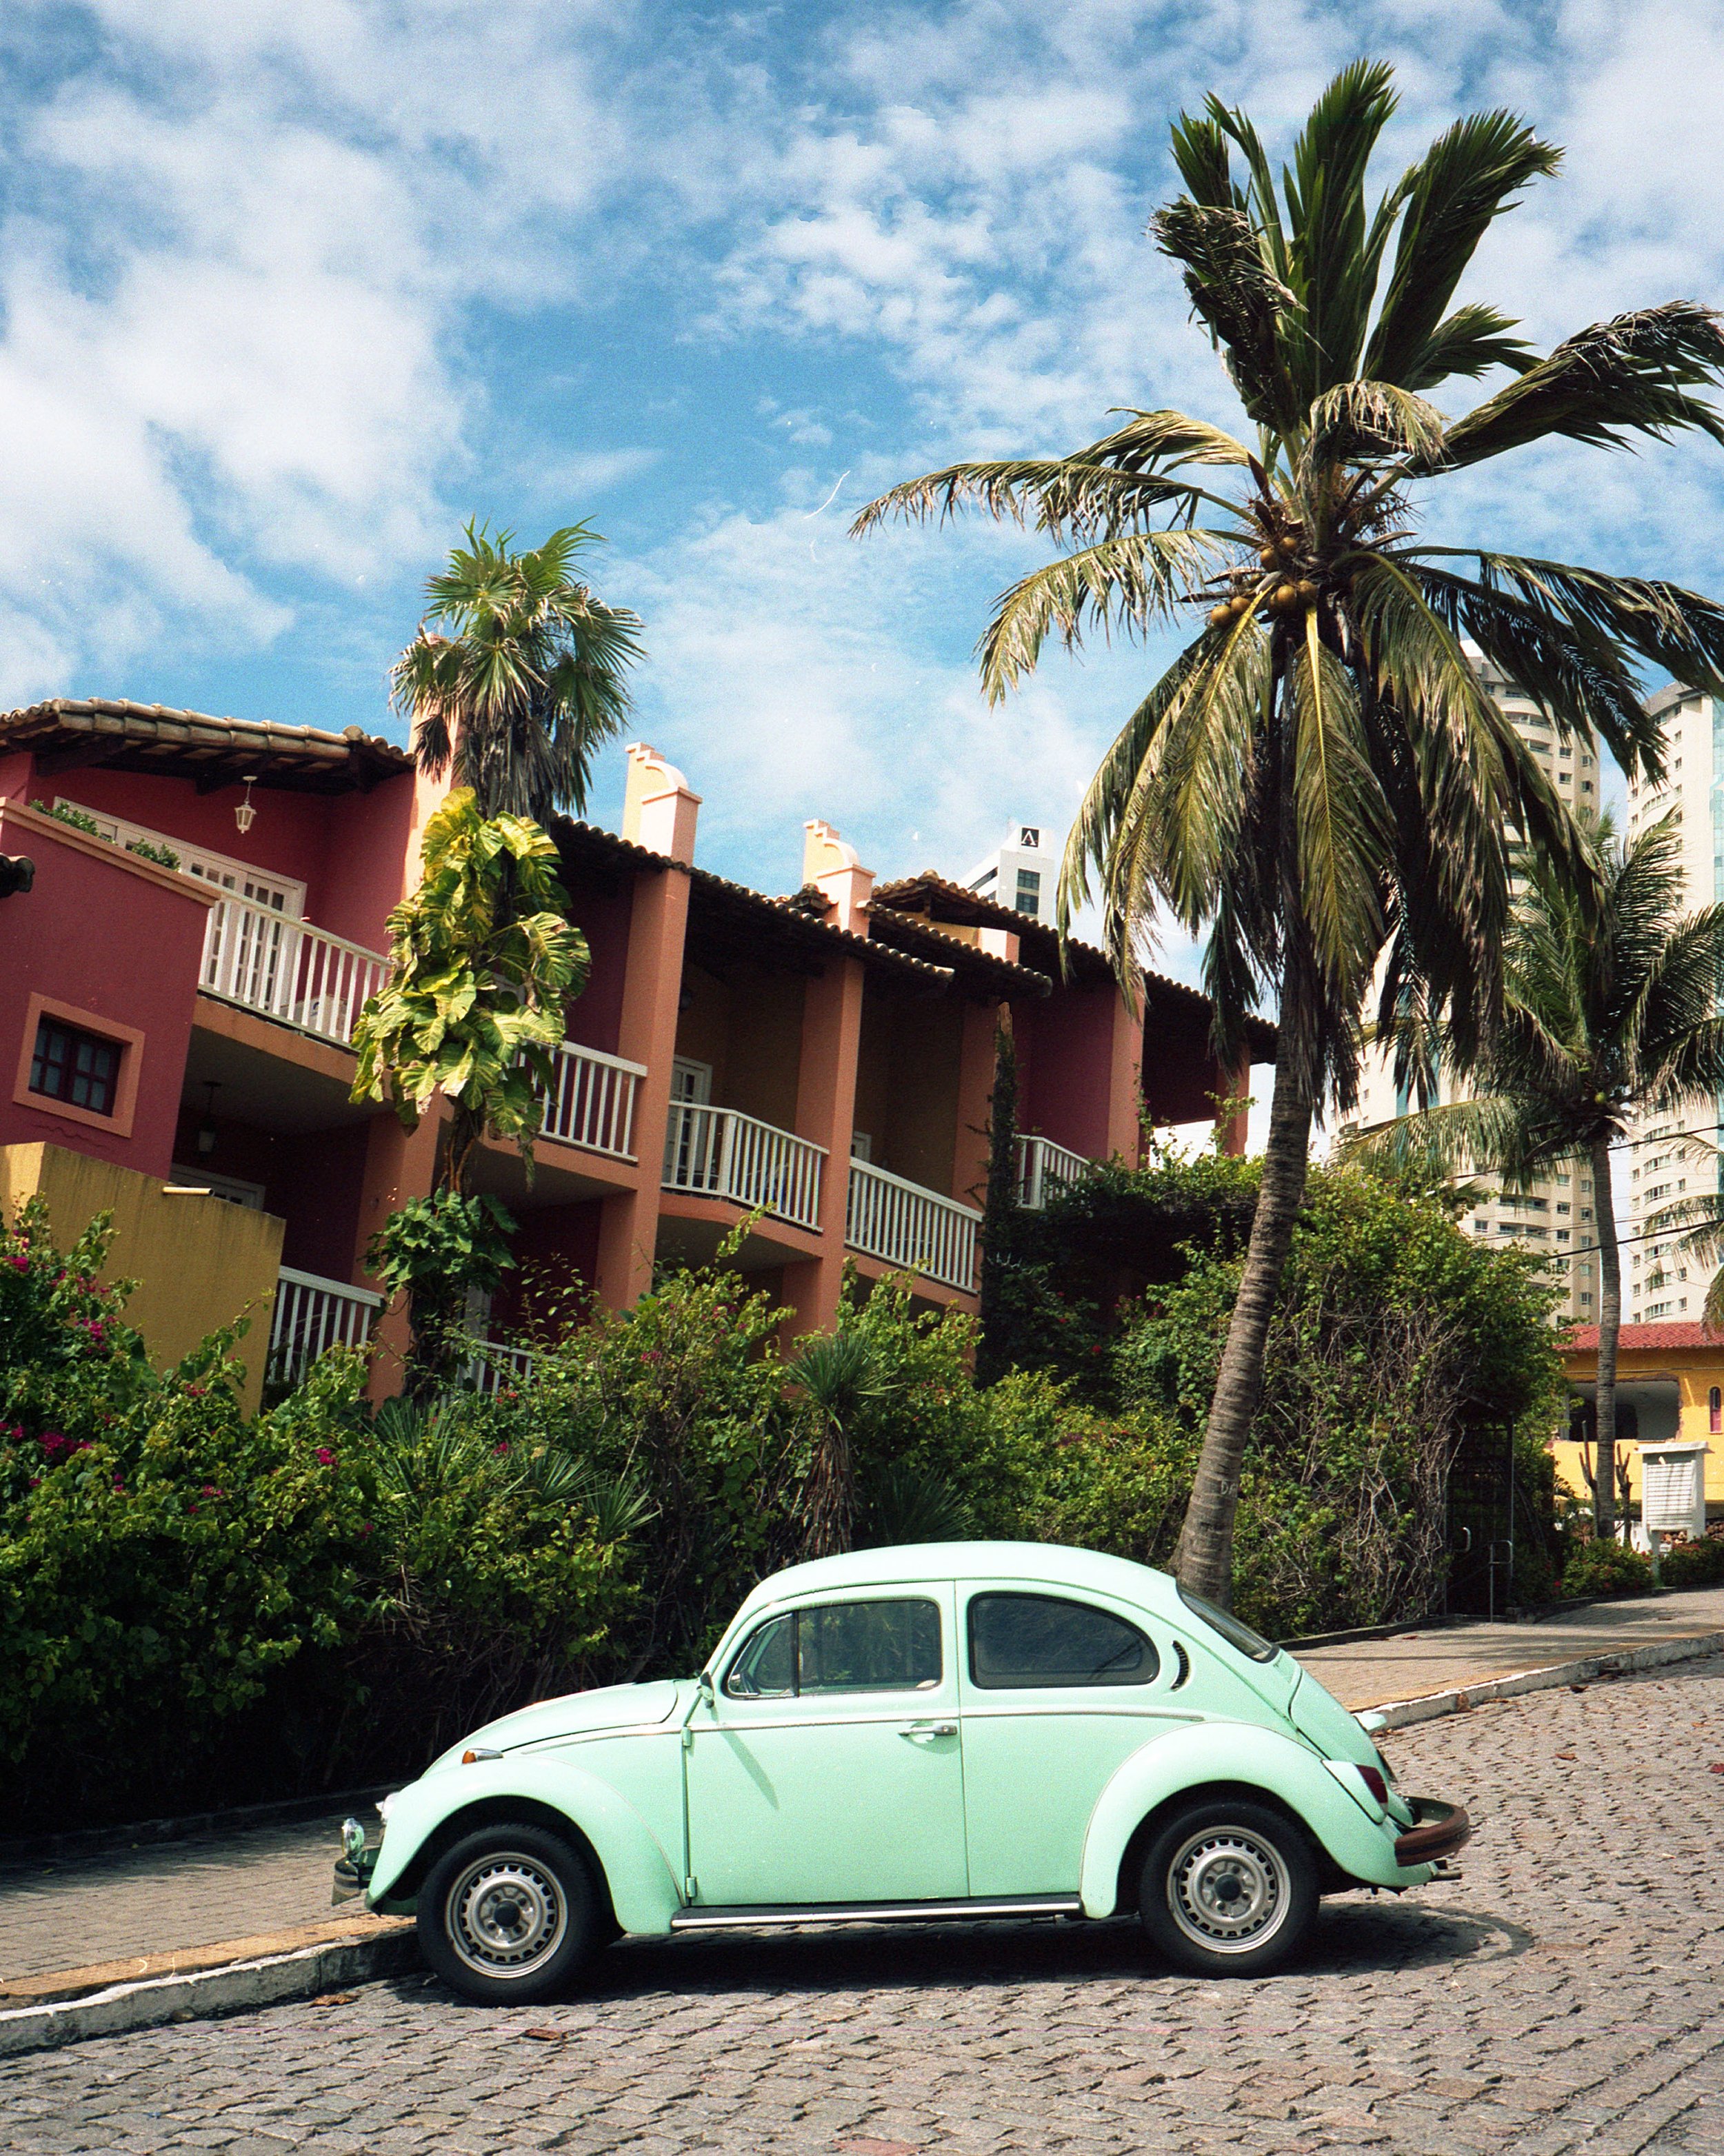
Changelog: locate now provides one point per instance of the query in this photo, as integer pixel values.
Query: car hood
(576, 1714)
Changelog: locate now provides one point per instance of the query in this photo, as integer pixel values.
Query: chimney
(829, 863)
(659, 810)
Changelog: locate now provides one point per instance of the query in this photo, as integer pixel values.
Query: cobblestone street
(1564, 1996)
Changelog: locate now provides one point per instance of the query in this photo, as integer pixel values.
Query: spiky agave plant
(1318, 781)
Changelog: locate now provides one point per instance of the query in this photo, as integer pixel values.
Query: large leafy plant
(483, 960)
(1319, 783)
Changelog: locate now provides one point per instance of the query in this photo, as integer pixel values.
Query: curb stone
(1403, 1714)
(276, 1978)
(269, 1981)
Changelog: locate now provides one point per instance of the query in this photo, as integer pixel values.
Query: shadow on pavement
(1353, 1937)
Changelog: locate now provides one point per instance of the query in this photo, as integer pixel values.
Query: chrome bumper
(1438, 1829)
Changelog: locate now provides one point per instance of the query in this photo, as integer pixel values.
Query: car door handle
(921, 1731)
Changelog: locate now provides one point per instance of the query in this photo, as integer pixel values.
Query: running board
(874, 1912)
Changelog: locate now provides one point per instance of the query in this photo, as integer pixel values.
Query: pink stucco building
(822, 1061)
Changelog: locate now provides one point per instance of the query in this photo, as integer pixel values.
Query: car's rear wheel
(509, 1914)
(1229, 1888)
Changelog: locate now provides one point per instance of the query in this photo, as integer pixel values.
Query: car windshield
(1236, 1635)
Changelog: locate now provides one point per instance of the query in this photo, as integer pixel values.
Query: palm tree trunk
(1204, 1559)
(1609, 1329)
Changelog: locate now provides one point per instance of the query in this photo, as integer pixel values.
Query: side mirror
(705, 1681)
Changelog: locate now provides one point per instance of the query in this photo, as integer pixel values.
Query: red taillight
(1375, 1783)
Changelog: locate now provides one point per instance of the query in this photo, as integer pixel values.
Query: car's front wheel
(509, 1915)
(1229, 1888)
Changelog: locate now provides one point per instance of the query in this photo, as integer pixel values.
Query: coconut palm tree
(518, 674)
(1610, 1014)
(1319, 782)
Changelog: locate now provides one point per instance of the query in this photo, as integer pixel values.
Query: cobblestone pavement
(1563, 1997)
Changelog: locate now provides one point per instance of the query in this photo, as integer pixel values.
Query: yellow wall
(1696, 1370)
(199, 1262)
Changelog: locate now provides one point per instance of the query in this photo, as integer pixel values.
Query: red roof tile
(1584, 1338)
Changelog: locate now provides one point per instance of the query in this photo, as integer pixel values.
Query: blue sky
(289, 288)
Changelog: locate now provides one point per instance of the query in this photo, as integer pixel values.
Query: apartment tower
(1553, 1216)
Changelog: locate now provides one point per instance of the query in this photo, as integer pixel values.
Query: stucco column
(1231, 1126)
(1126, 1067)
(399, 1165)
(975, 1083)
(660, 812)
(826, 1113)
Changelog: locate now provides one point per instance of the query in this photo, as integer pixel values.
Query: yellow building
(1669, 1385)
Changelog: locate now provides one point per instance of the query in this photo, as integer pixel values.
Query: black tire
(509, 1915)
(1229, 1888)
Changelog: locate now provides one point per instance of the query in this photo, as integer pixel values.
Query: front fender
(1206, 1752)
(637, 1870)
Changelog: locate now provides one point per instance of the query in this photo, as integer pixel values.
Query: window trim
(795, 1614)
(981, 1593)
(129, 1039)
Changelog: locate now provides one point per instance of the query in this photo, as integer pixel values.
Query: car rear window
(1018, 1641)
(1236, 1635)
(888, 1645)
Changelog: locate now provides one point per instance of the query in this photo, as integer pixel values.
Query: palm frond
(1079, 492)
(1246, 305)
(1325, 207)
(1364, 420)
(1452, 196)
(1127, 582)
(1633, 375)
(1342, 820)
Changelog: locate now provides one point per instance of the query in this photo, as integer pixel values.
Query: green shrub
(1693, 1563)
(1606, 1569)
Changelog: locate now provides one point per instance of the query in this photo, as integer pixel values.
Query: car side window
(766, 1667)
(889, 1645)
(1018, 1642)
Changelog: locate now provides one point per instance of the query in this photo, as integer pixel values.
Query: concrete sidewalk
(81, 1925)
(1365, 1673)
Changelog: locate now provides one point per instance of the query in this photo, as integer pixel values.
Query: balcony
(913, 1229)
(313, 1315)
(720, 1153)
(1045, 1170)
(591, 1102)
(288, 970)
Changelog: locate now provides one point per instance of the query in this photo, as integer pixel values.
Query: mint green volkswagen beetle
(942, 1730)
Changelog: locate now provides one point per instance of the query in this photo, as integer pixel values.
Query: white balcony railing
(313, 1314)
(494, 1368)
(904, 1225)
(591, 1102)
(1045, 1169)
(287, 969)
(719, 1152)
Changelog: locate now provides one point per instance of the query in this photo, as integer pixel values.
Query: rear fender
(1359, 1843)
(637, 1870)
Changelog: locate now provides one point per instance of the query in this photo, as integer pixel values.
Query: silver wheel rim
(1228, 1890)
(505, 1915)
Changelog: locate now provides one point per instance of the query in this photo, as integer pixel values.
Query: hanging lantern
(245, 815)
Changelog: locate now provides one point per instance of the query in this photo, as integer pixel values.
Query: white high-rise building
(1659, 1285)
(1554, 1216)
(1023, 873)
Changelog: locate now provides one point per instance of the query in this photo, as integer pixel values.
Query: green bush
(1606, 1569)
(1693, 1563)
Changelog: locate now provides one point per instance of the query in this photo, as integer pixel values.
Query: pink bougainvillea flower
(325, 1458)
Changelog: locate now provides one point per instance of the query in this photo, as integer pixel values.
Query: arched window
(1715, 1409)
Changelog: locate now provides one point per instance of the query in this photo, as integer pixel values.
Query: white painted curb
(147, 2005)
(1403, 1714)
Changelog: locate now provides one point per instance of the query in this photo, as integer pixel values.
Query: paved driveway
(1564, 1996)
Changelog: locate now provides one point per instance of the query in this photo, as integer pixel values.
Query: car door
(828, 1766)
(1058, 1688)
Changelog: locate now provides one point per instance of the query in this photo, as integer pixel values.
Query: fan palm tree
(518, 674)
(1319, 780)
(1610, 1014)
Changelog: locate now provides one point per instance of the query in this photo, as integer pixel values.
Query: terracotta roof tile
(1583, 1339)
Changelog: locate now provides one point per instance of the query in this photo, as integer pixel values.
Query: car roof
(1046, 1564)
